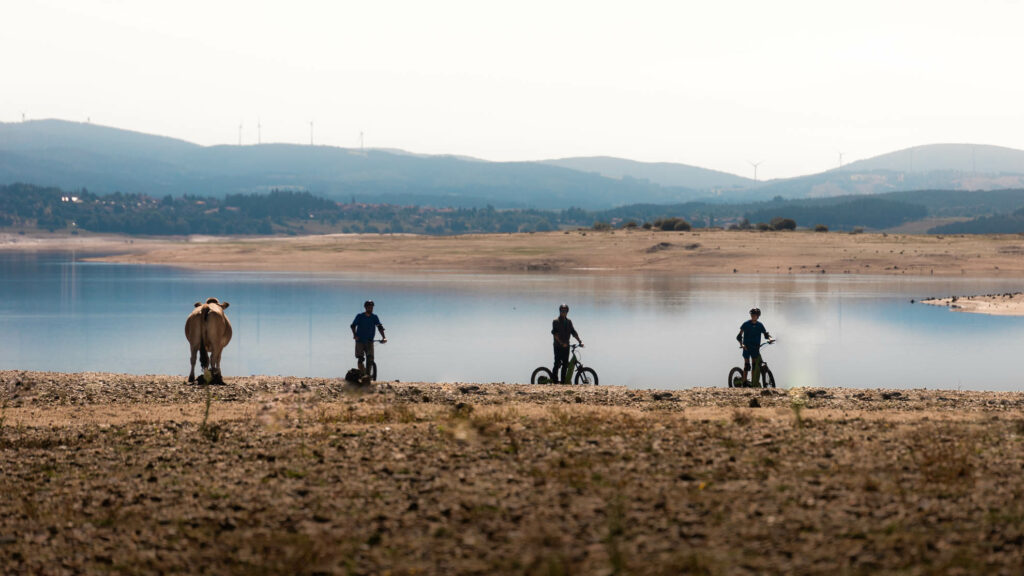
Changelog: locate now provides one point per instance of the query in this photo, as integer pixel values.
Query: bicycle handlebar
(763, 344)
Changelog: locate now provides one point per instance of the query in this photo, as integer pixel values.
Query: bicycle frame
(570, 371)
(574, 370)
(759, 368)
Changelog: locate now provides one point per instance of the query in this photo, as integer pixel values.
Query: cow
(208, 332)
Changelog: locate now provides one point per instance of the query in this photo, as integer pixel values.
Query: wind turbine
(755, 165)
(310, 132)
(840, 159)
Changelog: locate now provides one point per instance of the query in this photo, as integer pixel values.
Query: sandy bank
(703, 252)
(1009, 304)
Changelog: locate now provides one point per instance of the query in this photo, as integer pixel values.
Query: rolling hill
(72, 156)
(661, 173)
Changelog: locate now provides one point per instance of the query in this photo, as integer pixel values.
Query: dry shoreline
(109, 473)
(698, 252)
(1007, 304)
(589, 252)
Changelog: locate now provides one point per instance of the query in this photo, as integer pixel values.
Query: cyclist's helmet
(755, 311)
(368, 303)
(563, 306)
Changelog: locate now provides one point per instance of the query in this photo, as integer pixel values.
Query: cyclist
(363, 328)
(750, 340)
(562, 329)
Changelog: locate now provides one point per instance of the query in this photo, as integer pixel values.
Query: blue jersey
(366, 326)
(750, 335)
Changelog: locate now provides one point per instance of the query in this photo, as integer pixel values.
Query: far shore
(1009, 304)
(579, 251)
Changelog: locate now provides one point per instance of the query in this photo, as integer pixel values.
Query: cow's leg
(192, 363)
(215, 366)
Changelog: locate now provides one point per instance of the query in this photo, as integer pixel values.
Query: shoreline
(708, 252)
(1007, 304)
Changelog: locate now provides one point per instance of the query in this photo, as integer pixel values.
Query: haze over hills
(73, 155)
(968, 158)
(661, 173)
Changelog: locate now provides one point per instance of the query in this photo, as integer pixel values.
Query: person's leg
(746, 366)
(756, 361)
(565, 365)
(359, 356)
(368, 347)
(561, 364)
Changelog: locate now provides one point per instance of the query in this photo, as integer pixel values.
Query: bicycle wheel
(541, 376)
(736, 378)
(586, 377)
(372, 371)
(767, 378)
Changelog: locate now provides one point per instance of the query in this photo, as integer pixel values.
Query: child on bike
(363, 328)
(750, 340)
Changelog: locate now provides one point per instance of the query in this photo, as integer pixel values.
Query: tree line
(1012, 223)
(300, 212)
(278, 212)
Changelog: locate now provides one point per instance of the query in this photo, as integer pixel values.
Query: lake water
(644, 331)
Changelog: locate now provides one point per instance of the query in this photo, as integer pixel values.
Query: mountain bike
(576, 372)
(736, 379)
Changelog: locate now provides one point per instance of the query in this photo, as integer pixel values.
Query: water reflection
(641, 330)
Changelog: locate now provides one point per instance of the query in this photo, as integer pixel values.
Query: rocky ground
(113, 473)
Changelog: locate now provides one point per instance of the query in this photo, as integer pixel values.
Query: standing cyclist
(562, 329)
(363, 331)
(750, 340)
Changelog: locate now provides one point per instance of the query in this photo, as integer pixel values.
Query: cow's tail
(204, 358)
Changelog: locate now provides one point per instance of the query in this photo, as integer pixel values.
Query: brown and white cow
(208, 332)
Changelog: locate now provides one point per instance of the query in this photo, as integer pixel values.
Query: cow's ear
(224, 305)
(198, 304)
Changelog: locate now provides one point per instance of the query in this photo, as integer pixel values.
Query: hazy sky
(713, 83)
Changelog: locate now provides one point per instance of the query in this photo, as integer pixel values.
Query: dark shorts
(364, 347)
(747, 355)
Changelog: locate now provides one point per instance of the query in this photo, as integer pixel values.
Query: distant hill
(72, 156)
(662, 173)
(930, 167)
(963, 158)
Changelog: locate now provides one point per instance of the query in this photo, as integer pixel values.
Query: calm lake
(642, 331)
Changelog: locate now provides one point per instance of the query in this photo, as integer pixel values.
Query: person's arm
(766, 334)
(739, 338)
(573, 330)
(380, 328)
(353, 327)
